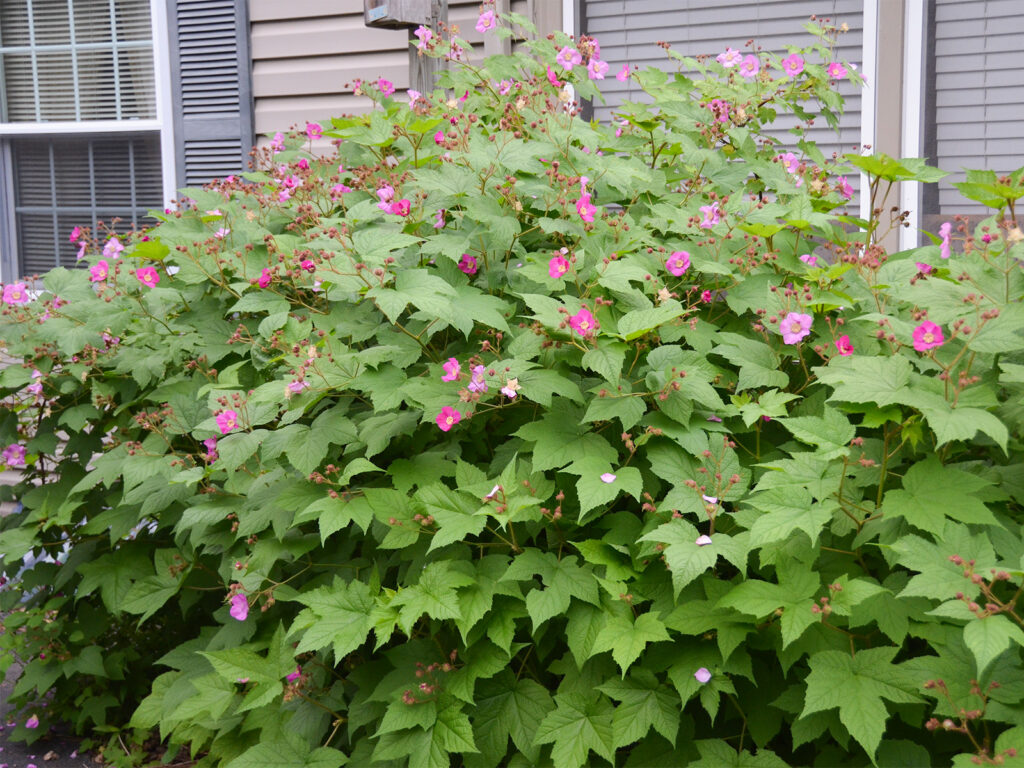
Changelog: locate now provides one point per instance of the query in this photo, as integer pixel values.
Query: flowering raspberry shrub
(496, 437)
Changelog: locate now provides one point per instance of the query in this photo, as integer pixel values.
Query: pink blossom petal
(607, 477)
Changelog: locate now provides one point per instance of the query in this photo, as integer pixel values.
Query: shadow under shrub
(496, 437)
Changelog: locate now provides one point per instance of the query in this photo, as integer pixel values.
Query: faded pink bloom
(623, 74)
(296, 386)
(558, 266)
(113, 248)
(265, 278)
(81, 250)
(278, 142)
(448, 418)
(944, 229)
(386, 87)
(239, 607)
(585, 208)
(486, 22)
(836, 70)
(425, 35)
(793, 64)
(750, 66)
(386, 193)
(227, 421)
(36, 387)
(452, 369)
(583, 322)
(99, 271)
(439, 219)
(927, 336)
(221, 233)
(493, 493)
(702, 541)
(568, 57)
(844, 187)
(32, 722)
(210, 444)
(720, 110)
(14, 455)
(809, 259)
(795, 326)
(924, 269)
(702, 675)
(678, 263)
(730, 58)
(148, 276)
(844, 346)
(468, 264)
(510, 389)
(477, 383)
(314, 130)
(340, 189)
(710, 499)
(597, 69)
(711, 215)
(504, 87)
(716, 419)
(790, 162)
(283, 196)
(607, 477)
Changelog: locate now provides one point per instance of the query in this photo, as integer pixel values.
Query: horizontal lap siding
(628, 31)
(306, 55)
(979, 73)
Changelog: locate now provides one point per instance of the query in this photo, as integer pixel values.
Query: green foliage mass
(746, 513)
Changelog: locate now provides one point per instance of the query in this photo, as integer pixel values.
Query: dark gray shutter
(628, 31)
(977, 116)
(210, 74)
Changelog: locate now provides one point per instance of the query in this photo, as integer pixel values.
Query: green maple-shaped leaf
(857, 685)
(643, 703)
(685, 558)
(788, 510)
(562, 437)
(989, 637)
(563, 579)
(940, 579)
(626, 638)
(434, 594)
(932, 492)
(508, 707)
(337, 616)
(577, 725)
(879, 380)
(793, 594)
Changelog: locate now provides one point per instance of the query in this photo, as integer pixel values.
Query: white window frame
(913, 107)
(162, 124)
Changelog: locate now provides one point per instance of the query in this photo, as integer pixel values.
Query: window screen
(61, 183)
(72, 60)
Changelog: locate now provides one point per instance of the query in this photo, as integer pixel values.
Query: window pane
(62, 182)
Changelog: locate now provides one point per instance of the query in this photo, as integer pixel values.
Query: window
(81, 124)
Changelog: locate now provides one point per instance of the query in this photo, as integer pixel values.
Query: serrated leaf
(644, 703)
(337, 617)
(577, 725)
(626, 638)
(990, 636)
(932, 492)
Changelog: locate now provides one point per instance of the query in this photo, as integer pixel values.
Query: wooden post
(423, 70)
(546, 15)
(493, 46)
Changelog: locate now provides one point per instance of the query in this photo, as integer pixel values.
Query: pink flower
(585, 208)
(623, 74)
(283, 196)
(557, 267)
(340, 189)
(836, 70)
(386, 87)
(510, 389)
(568, 57)
(944, 231)
(844, 187)
(583, 322)
(293, 676)
(809, 259)
(720, 109)
(14, 455)
(221, 233)
(844, 346)
(467, 264)
(303, 163)
(148, 276)
(678, 263)
(597, 69)
(553, 78)
(227, 421)
(307, 265)
(448, 418)
(702, 541)
(211, 448)
(36, 387)
(486, 22)
(607, 477)
(32, 722)
(113, 248)
(296, 386)
(439, 137)
(494, 492)
(386, 193)
(278, 143)
(81, 250)
(265, 278)
(439, 219)
(790, 162)
(239, 607)
(750, 66)
(712, 500)
(924, 269)
(705, 297)
(452, 369)
(702, 675)
(477, 383)
(716, 419)
(795, 326)
(793, 64)
(75, 234)
(314, 130)
(99, 271)
(927, 336)
(401, 207)
(425, 35)
(504, 87)
(730, 58)
(711, 215)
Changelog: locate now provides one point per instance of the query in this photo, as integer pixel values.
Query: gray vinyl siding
(978, 81)
(307, 54)
(629, 30)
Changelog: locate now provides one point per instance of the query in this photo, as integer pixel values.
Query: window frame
(162, 124)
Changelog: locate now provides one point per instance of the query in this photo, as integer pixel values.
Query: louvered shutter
(978, 115)
(629, 30)
(210, 74)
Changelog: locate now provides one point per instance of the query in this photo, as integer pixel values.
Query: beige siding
(306, 54)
